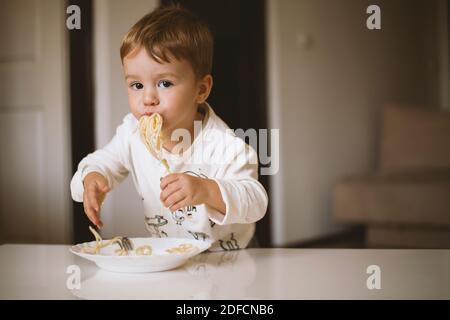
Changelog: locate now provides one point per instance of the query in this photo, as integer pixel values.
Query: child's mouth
(150, 113)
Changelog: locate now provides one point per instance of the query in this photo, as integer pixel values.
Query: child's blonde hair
(172, 31)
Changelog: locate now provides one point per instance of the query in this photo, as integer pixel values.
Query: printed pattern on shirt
(182, 214)
(231, 244)
(154, 225)
(199, 235)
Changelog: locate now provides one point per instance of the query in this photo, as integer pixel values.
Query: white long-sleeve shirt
(216, 153)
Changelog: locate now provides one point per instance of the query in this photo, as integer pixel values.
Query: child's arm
(108, 165)
(95, 190)
(214, 199)
(244, 197)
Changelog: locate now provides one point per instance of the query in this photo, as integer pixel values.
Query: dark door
(81, 105)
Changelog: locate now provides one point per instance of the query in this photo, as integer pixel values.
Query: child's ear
(204, 88)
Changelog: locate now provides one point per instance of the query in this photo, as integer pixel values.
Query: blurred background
(364, 115)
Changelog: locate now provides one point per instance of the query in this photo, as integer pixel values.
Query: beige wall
(326, 96)
(122, 211)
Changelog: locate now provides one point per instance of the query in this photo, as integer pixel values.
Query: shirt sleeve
(245, 198)
(111, 161)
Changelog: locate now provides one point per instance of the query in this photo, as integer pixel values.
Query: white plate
(160, 259)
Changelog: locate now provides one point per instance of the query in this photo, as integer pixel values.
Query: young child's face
(170, 89)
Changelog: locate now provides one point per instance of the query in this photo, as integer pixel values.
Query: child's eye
(137, 86)
(164, 84)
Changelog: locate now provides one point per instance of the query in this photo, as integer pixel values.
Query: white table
(39, 272)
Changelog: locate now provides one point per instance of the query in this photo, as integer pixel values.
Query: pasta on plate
(100, 244)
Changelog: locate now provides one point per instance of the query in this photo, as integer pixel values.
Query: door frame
(81, 105)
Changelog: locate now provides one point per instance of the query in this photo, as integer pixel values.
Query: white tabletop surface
(40, 272)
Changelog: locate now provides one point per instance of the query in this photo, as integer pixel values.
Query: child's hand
(95, 189)
(180, 190)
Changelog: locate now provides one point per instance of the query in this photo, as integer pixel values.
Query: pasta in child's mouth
(150, 130)
(100, 244)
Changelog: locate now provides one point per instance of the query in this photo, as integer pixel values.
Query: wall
(122, 211)
(328, 78)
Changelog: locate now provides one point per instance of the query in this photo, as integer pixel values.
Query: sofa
(406, 202)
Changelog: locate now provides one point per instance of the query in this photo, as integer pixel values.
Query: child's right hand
(95, 189)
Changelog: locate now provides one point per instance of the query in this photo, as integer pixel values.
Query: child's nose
(150, 98)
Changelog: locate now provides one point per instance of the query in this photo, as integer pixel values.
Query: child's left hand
(180, 190)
